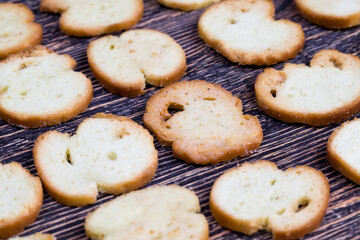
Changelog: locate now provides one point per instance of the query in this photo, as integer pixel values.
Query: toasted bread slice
(326, 92)
(17, 28)
(94, 17)
(123, 65)
(20, 199)
(162, 212)
(187, 5)
(209, 127)
(256, 196)
(39, 88)
(36, 236)
(343, 150)
(108, 153)
(336, 14)
(245, 32)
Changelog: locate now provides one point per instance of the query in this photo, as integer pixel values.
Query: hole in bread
(337, 63)
(232, 21)
(280, 212)
(244, 10)
(4, 89)
(302, 205)
(68, 156)
(273, 93)
(112, 155)
(272, 182)
(209, 99)
(24, 65)
(123, 133)
(174, 108)
(23, 93)
(112, 46)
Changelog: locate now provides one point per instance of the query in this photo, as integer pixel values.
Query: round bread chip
(245, 32)
(39, 88)
(187, 5)
(259, 196)
(108, 153)
(161, 212)
(343, 150)
(94, 17)
(17, 28)
(20, 199)
(335, 14)
(209, 126)
(123, 65)
(326, 92)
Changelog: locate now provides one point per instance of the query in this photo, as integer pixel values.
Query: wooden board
(287, 145)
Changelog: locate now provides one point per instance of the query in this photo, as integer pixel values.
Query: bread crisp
(94, 17)
(108, 153)
(187, 5)
(336, 14)
(343, 150)
(258, 196)
(36, 236)
(20, 199)
(210, 126)
(162, 212)
(245, 32)
(123, 65)
(39, 88)
(17, 29)
(326, 92)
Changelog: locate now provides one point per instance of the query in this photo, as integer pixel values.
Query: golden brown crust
(186, 6)
(247, 57)
(121, 88)
(271, 77)
(137, 181)
(28, 19)
(336, 161)
(212, 150)
(326, 20)
(42, 120)
(251, 226)
(69, 28)
(16, 224)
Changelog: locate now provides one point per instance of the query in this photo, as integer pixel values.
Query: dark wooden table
(287, 145)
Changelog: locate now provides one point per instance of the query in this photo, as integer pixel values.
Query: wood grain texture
(285, 144)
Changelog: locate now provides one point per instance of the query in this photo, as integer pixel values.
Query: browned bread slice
(187, 5)
(39, 88)
(20, 199)
(94, 17)
(36, 236)
(108, 153)
(162, 212)
(17, 28)
(210, 126)
(326, 92)
(244, 31)
(256, 196)
(343, 150)
(336, 14)
(123, 65)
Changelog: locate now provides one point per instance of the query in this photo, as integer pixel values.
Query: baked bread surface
(336, 14)
(210, 126)
(187, 5)
(162, 212)
(20, 199)
(343, 150)
(94, 17)
(258, 196)
(36, 236)
(326, 92)
(245, 32)
(17, 29)
(123, 65)
(39, 88)
(108, 153)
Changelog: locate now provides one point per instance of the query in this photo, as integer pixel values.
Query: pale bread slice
(36, 236)
(336, 14)
(259, 196)
(94, 17)
(245, 32)
(343, 150)
(108, 153)
(210, 126)
(20, 199)
(123, 65)
(326, 92)
(17, 28)
(162, 212)
(187, 5)
(39, 88)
